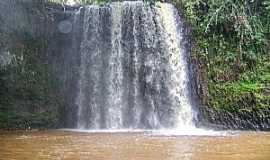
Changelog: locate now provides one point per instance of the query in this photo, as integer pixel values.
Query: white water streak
(116, 74)
(147, 111)
(179, 77)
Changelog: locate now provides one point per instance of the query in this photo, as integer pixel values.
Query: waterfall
(133, 69)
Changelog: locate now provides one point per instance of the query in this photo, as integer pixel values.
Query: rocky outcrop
(25, 85)
(244, 115)
(37, 64)
(17, 18)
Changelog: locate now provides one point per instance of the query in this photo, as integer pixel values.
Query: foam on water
(160, 132)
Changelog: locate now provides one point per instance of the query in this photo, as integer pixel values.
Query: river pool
(70, 145)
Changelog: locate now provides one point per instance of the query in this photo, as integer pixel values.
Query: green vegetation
(27, 98)
(231, 48)
(231, 45)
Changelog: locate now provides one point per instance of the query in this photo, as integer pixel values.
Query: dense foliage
(232, 46)
(27, 98)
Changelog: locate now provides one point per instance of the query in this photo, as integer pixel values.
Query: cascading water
(133, 69)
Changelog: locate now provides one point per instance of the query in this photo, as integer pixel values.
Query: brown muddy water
(67, 145)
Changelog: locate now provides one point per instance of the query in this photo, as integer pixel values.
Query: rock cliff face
(18, 17)
(42, 57)
(64, 58)
(38, 64)
(245, 116)
(27, 96)
(39, 71)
